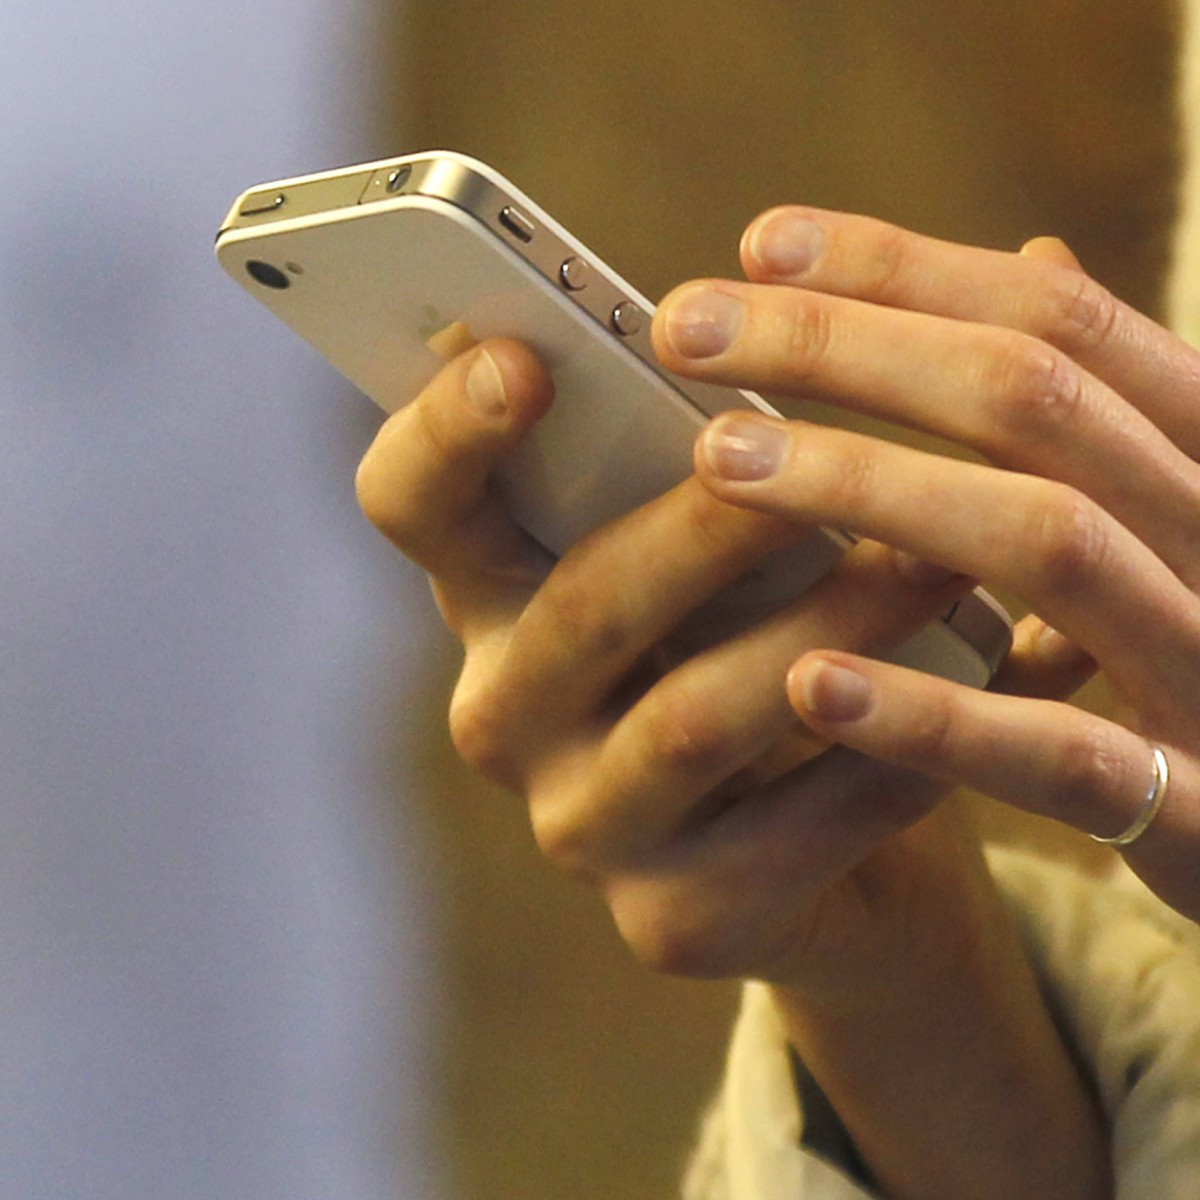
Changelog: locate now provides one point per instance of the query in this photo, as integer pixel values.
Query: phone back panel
(369, 286)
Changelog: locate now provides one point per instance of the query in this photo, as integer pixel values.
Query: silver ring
(1154, 800)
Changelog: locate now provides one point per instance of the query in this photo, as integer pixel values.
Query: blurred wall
(216, 912)
(655, 132)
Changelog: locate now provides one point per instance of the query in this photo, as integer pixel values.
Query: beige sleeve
(1123, 974)
(750, 1143)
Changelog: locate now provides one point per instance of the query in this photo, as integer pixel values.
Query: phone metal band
(1154, 800)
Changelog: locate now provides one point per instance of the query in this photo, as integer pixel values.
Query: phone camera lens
(398, 178)
(267, 275)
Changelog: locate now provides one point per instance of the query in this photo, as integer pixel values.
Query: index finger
(866, 259)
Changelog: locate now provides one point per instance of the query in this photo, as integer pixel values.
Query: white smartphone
(370, 263)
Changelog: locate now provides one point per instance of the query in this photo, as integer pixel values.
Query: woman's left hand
(1088, 506)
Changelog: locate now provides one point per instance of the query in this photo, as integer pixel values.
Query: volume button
(627, 318)
(574, 274)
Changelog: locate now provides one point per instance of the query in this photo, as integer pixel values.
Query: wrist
(899, 927)
(940, 1056)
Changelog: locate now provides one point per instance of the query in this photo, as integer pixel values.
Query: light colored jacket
(1121, 971)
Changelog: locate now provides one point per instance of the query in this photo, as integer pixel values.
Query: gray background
(214, 926)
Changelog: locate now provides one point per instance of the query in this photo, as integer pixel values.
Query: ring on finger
(1151, 805)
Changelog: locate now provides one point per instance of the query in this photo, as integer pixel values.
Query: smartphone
(370, 264)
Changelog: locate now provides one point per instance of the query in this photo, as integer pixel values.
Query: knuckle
(1088, 767)
(563, 839)
(887, 260)
(411, 454)
(689, 736)
(1070, 540)
(1080, 313)
(712, 924)
(807, 334)
(565, 614)
(715, 532)
(481, 733)
(668, 931)
(583, 823)
(669, 949)
(1035, 391)
(376, 493)
(443, 441)
(843, 477)
(932, 728)
(706, 522)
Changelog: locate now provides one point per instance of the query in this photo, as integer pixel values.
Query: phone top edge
(334, 189)
(487, 196)
(448, 175)
(313, 177)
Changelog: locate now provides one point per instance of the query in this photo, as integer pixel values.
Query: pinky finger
(1039, 755)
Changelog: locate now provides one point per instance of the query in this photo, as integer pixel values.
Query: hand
(656, 777)
(655, 781)
(1088, 506)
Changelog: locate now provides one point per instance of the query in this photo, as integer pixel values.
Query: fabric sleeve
(751, 1141)
(1120, 971)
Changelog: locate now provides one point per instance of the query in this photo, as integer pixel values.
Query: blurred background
(262, 935)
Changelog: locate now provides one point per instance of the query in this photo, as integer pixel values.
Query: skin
(659, 773)
(1084, 411)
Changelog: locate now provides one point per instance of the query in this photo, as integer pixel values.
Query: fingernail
(485, 386)
(923, 574)
(745, 451)
(786, 243)
(703, 323)
(834, 693)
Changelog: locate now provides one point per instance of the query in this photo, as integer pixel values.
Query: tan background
(655, 132)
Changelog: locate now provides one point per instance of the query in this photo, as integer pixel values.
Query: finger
(618, 594)
(871, 260)
(1042, 756)
(710, 721)
(722, 899)
(1043, 663)
(582, 646)
(425, 482)
(1051, 249)
(1069, 560)
(1005, 394)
